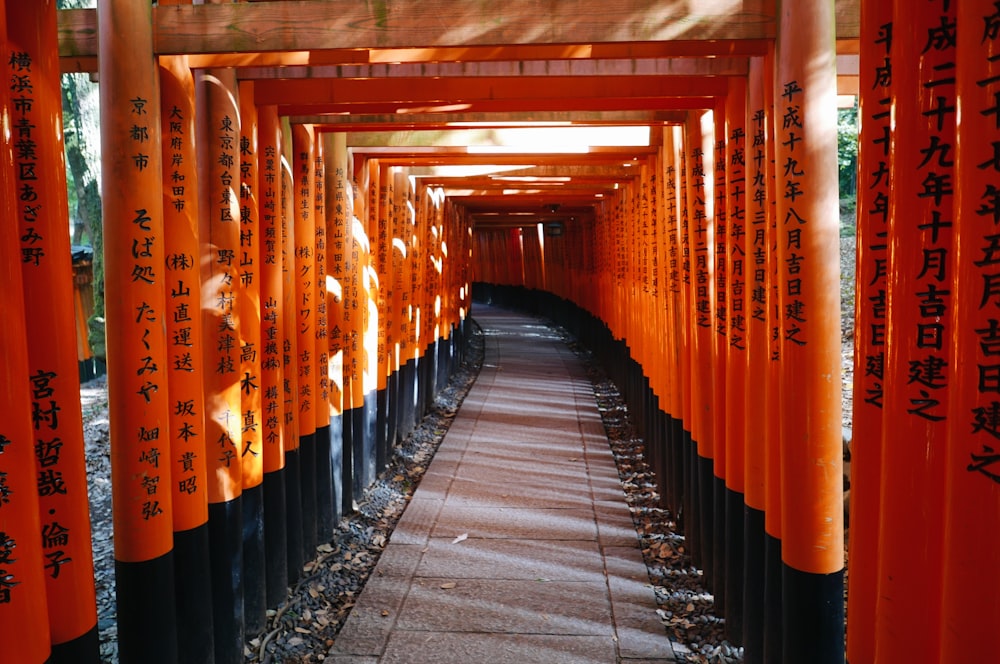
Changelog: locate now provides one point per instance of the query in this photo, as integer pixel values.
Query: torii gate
(223, 134)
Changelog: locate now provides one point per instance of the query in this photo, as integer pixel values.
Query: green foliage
(847, 167)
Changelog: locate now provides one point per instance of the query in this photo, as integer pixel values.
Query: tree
(81, 122)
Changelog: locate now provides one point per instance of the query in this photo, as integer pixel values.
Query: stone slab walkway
(517, 546)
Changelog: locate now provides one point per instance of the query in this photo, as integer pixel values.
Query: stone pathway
(517, 546)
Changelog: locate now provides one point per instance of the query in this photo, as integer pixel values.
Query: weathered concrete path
(517, 546)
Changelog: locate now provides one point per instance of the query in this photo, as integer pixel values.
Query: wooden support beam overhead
(570, 104)
(561, 67)
(418, 121)
(320, 92)
(321, 32)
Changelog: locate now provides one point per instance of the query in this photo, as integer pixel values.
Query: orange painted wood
(219, 233)
(759, 216)
(736, 283)
(322, 410)
(248, 300)
(700, 315)
(186, 363)
(719, 287)
(272, 263)
(870, 326)
(47, 278)
(972, 483)
(809, 291)
(338, 214)
(24, 620)
(135, 291)
(290, 348)
(304, 233)
(919, 298)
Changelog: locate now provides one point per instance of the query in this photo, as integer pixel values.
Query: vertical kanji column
(970, 611)
(304, 169)
(251, 426)
(186, 367)
(272, 316)
(919, 297)
(736, 358)
(701, 323)
(324, 481)
(24, 620)
(720, 324)
(869, 325)
(218, 137)
(809, 328)
(290, 367)
(36, 117)
(758, 345)
(337, 231)
(136, 307)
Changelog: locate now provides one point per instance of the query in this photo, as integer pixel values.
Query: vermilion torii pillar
(186, 364)
(33, 81)
(219, 234)
(304, 230)
(970, 611)
(273, 314)
(137, 350)
(869, 325)
(24, 621)
(809, 329)
(251, 415)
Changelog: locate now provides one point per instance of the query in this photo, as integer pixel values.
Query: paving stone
(452, 648)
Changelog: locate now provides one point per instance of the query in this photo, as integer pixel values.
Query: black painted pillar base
(734, 566)
(347, 502)
(706, 514)
(393, 412)
(84, 649)
(719, 529)
(307, 482)
(407, 397)
(254, 585)
(753, 586)
(147, 624)
(225, 541)
(275, 539)
(773, 641)
(692, 522)
(336, 471)
(381, 429)
(193, 587)
(812, 616)
(293, 514)
(324, 486)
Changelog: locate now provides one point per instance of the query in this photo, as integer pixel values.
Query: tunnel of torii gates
(289, 274)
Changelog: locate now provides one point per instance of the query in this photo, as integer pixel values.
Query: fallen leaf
(460, 538)
(385, 612)
(448, 586)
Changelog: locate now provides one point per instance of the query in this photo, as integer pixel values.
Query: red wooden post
(970, 611)
(869, 328)
(136, 306)
(273, 314)
(338, 216)
(809, 327)
(186, 368)
(248, 303)
(304, 169)
(736, 357)
(323, 470)
(24, 620)
(42, 218)
(219, 233)
(759, 215)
